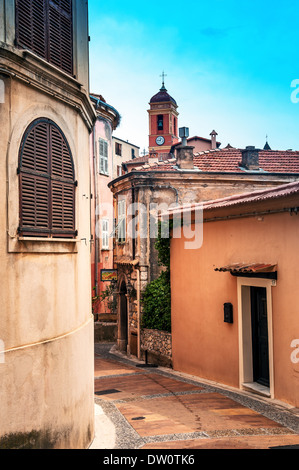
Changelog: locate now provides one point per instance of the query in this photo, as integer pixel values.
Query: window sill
(50, 240)
(42, 245)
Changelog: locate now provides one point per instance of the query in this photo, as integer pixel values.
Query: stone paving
(155, 408)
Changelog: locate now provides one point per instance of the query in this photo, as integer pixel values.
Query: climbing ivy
(156, 299)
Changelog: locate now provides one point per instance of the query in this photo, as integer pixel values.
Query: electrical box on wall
(228, 313)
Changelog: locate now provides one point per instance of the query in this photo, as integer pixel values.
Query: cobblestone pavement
(156, 408)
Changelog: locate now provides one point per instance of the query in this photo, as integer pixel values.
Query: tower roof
(162, 96)
(267, 146)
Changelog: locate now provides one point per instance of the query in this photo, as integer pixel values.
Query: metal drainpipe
(138, 315)
(133, 227)
(96, 280)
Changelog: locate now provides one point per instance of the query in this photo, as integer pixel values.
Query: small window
(103, 146)
(47, 182)
(160, 122)
(133, 154)
(118, 149)
(121, 220)
(105, 234)
(119, 170)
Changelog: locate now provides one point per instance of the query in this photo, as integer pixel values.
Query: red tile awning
(254, 268)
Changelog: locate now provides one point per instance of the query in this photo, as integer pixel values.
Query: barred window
(46, 28)
(47, 182)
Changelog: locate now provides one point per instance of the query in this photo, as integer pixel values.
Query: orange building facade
(234, 300)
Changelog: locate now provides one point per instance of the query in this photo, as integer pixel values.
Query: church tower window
(160, 122)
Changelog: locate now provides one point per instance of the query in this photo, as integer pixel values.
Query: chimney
(213, 139)
(184, 154)
(153, 156)
(250, 158)
(185, 157)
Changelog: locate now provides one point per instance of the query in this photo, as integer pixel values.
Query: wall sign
(108, 275)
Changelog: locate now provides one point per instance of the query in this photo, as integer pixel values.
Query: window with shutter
(105, 234)
(121, 220)
(103, 150)
(47, 182)
(46, 28)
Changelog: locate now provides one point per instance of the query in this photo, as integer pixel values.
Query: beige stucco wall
(46, 325)
(125, 156)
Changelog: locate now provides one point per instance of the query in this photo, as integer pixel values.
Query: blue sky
(229, 66)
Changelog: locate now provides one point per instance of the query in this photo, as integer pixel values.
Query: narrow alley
(140, 406)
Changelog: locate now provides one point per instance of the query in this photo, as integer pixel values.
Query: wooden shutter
(61, 159)
(47, 182)
(61, 34)
(63, 219)
(121, 220)
(46, 28)
(62, 185)
(34, 205)
(31, 26)
(103, 145)
(105, 234)
(34, 180)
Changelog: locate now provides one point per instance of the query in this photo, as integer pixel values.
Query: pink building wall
(101, 208)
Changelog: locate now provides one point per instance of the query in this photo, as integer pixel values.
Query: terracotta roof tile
(227, 161)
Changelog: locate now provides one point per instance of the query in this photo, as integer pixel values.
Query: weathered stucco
(166, 189)
(46, 325)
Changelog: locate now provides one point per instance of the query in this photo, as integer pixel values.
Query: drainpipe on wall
(138, 316)
(96, 281)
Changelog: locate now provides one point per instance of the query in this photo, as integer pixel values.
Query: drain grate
(107, 392)
(138, 418)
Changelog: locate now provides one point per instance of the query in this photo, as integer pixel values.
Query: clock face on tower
(160, 140)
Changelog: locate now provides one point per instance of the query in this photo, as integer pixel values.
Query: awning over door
(252, 269)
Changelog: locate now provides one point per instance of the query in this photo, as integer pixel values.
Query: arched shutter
(63, 187)
(47, 183)
(35, 181)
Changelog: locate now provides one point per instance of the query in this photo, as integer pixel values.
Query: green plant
(156, 303)
(156, 299)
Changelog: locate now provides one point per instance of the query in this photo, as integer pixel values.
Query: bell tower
(163, 122)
